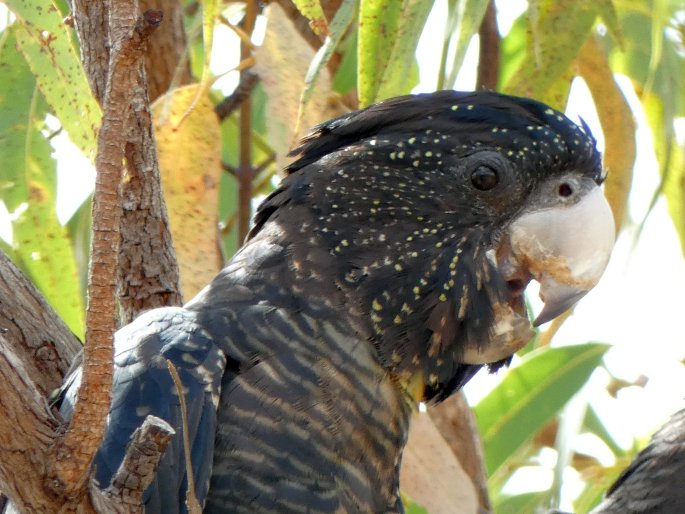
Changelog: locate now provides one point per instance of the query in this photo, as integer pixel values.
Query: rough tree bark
(36, 349)
(57, 464)
(148, 271)
(75, 450)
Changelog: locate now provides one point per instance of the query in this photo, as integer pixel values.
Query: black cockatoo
(386, 269)
(654, 482)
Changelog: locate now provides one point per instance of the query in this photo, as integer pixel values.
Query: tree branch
(148, 269)
(489, 54)
(38, 337)
(90, 21)
(75, 451)
(148, 275)
(139, 466)
(166, 61)
(245, 171)
(36, 349)
(26, 433)
(248, 80)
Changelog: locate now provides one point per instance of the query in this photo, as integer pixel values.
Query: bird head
(432, 213)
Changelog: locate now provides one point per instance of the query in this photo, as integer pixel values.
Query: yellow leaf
(671, 157)
(617, 124)
(282, 63)
(431, 475)
(189, 146)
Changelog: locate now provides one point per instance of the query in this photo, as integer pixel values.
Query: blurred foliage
(366, 52)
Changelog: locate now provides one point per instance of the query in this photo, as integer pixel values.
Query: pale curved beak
(566, 249)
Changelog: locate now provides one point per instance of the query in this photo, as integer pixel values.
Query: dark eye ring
(484, 178)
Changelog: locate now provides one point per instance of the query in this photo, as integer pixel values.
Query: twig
(246, 173)
(225, 108)
(244, 37)
(191, 500)
(232, 170)
(139, 466)
(489, 54)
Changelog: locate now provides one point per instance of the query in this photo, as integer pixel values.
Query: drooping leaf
(607, 11)
(557, 30)
(345, 79)
(311, 9)
(517, 504)
(378, 24)
(594, 425)
(40, 244)
(617, 123)
(664, 77)
(431, 474)
(339, 25)
(79, 230)
(210, 11)
(282, 64)
(530, 394)
(188, 143)
(464, 19)
(513, 50)
(671, 157)
(46, 43)
(399, 77)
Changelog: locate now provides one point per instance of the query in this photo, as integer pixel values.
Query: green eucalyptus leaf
(513, 50)
(464, 19)
(379, 22)
(401, 72)
(594, 425)
(47, 45)
(607, 11)
(671, 158)
(210, 12)
(530, 394)
(345, 79)
(41, 245)
(557, 30)
(516, 504)
(338, 27)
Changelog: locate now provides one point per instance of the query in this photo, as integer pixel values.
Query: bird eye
(565, 190)
(484, 178)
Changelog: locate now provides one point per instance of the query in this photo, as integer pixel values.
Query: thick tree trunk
(36, 349)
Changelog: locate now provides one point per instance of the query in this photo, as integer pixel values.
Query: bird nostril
(565, 190)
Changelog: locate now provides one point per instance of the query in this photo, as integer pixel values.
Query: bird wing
(653, 483)
(143, 386)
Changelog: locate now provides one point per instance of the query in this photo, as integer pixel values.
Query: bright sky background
(638, 306)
